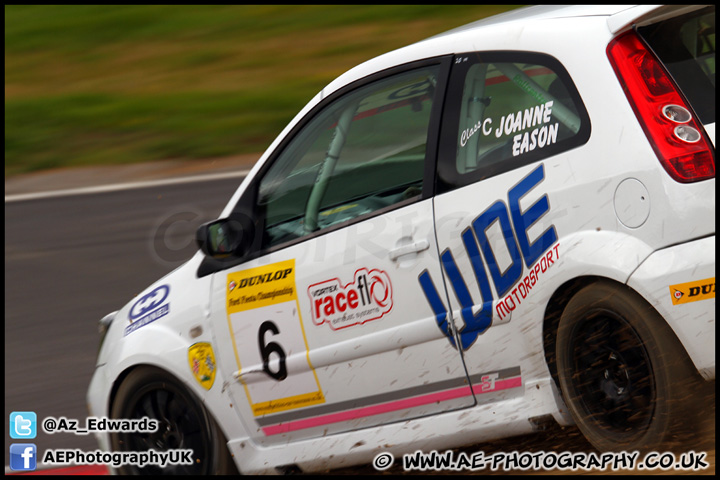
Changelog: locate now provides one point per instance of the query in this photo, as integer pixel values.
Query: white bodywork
(591, 203)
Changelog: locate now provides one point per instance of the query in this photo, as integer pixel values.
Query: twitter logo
(23, 425)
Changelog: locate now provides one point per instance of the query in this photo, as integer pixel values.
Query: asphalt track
(72, 258)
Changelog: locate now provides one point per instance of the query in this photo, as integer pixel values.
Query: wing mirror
(221, 238)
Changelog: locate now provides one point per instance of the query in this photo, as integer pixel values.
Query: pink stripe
(500, 385)
(367, 411)
(386, 407)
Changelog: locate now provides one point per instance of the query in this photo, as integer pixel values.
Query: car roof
(540, 12)
(616, 18)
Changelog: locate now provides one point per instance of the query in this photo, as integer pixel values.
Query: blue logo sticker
(148, 308)
(154, 315)
(149, 302)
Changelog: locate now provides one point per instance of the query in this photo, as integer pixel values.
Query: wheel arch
(665, 410)
(120, 378)
(559, 300)
(227, 461)
(556, 305)
(199, 394)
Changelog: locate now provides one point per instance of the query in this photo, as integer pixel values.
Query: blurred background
(88, 85)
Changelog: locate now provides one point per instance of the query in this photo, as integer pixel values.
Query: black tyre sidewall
(143, 380)
(669, 365)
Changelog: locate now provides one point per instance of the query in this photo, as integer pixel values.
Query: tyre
(183, 423)
(624, 376)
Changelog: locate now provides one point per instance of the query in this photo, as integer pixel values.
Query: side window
(361, 153)
(506, 110)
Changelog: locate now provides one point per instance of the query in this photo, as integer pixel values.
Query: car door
(507, 114)
(322, 323)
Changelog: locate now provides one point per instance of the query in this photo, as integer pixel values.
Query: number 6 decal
(277, 348)
(271, 347)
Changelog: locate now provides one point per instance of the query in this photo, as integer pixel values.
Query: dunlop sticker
(692, 291)
(269, 339)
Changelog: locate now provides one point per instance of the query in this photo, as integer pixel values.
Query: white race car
(503, 225)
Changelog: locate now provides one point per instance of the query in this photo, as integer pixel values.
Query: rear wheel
(183, 424)
(625, 377)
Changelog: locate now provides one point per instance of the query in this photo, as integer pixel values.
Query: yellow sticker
(269, 339)
(202, 364)
(262, 286)
(693, 291)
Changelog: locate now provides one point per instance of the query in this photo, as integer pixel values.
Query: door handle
(415, 247)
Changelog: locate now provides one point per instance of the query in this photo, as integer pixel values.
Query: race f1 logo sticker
(692, 291)
(368, 297)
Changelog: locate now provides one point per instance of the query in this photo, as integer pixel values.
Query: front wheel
(183, 424)
(625, 377)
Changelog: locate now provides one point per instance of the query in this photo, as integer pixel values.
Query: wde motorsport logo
(367, 298)
(148, 308)
(529, 258)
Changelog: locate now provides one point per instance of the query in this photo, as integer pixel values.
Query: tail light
(675, 135)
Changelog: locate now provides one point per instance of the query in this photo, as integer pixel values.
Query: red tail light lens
(673, 132)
